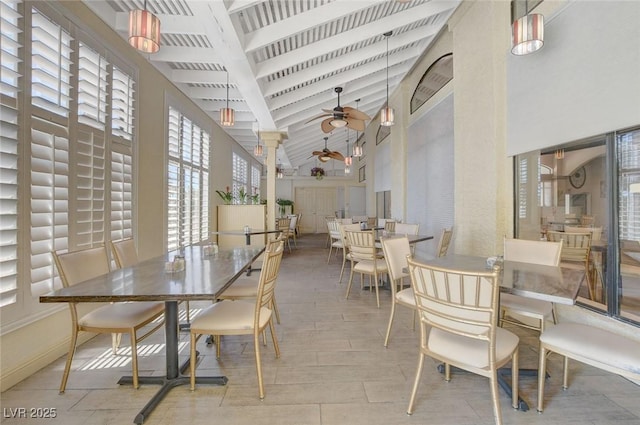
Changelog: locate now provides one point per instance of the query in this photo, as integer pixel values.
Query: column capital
(273, 138)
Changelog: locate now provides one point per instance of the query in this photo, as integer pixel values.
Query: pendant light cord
(227, 87)
(387, 35)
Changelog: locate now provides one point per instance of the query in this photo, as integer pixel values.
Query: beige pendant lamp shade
(227, 115)
(144, 30)
(527, 33)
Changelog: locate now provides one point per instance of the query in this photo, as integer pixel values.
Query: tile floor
(334, 370)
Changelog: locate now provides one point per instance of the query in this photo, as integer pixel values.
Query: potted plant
(255, 198)
(317, 172)
(283, 204)
(227, 196)
(243, 196)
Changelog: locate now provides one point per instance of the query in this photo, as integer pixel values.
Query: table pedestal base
(504, 383)
(166, 386)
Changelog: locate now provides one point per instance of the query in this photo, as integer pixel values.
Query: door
(314, 203)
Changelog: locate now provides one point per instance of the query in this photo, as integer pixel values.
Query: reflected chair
(241, 317)
(79, 266)
(406, 228)
(246, 287)
(390, 226)
(283, 224)
(396, 251)
(535, 252)
(457, 312)
(444, 242)
(365, 258)
(372, 222)
(336, 239)
(576, 254)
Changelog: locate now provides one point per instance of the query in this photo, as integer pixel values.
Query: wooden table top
(547, 283)
(204, 278)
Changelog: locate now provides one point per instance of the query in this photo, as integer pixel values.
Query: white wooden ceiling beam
(198, 76)
(169, 24)
(346, 60)
(212, 93)
(347, 38)
(303, 22)
(186, 54)
(237, 6)
(341, 79)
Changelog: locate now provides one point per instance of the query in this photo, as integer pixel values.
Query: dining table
(542, 282)
(205, 276)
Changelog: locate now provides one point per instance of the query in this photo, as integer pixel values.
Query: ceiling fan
(325, 154)
(340, 116)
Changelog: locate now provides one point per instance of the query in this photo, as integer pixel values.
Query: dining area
(333, 367)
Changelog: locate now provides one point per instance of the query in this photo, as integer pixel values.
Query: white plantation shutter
(49, 201)
(239, 174)
(122, 104)
(92, 87)
(629, 179)
(51, 65)
(187, 182)
(9, 89)
(121, 196)
(90, 191)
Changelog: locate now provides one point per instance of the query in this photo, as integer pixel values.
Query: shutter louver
(51, 65)
(9, 88)
(92, 88)
(90, 189)
(121, 196)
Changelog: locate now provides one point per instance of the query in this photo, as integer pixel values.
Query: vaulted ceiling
(285, 58)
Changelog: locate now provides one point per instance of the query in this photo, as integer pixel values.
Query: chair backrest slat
(445, 240)
(361, 245)
(575, 246)
(268, 276)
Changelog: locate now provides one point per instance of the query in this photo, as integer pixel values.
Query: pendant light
(144, 30)
(387, 115)
(279, 173)
(227, 115)
(347, 158)
(257, 151)
(527, 33)
(357, 149)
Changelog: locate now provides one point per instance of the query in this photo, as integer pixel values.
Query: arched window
(437, 76)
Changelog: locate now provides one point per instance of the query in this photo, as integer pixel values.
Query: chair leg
(496, 397)
(256, 343)
(344, 260)
(350, 281)
(192, 361)
(393, 311)
(416, 383)
(276, 311)
(67, 366)
(514, 379)
(134, 357)
(565, 376)
(330, 249)
(542, 373)
(377, 291)
(274, 338)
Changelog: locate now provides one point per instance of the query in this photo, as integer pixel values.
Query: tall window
(78, 174)
(9, 90)
(255, 180)
(188, 182)
(240, 176)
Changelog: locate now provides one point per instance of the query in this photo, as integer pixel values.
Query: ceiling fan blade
(317, 153)
(318, 116)
(355, 114)
(353, 124)
(326, 125)
(328, 111)
(336, 155)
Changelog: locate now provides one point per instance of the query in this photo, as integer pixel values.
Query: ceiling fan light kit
(340, 117)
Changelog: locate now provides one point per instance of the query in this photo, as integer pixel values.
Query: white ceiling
(285, 58)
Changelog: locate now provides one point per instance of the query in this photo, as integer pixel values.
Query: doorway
(315, 203)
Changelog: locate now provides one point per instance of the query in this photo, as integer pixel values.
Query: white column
(272, 139)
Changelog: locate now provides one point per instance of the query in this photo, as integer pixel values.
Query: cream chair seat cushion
(524, 305)
(121, 315)
(594, 346)
(368, 266)
(464, 350)
(406, 296)
(230, 316)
